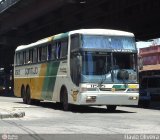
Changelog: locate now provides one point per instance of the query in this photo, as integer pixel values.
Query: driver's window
(75, 68)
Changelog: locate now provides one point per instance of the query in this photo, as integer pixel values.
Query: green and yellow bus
(80, 67)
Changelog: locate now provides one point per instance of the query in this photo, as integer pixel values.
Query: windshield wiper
(123, 75)
(104, 72)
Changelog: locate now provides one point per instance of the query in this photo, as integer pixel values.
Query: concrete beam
(29, 13)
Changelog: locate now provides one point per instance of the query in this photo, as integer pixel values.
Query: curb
(12, 115)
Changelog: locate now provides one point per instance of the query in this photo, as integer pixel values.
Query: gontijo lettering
(31, 71)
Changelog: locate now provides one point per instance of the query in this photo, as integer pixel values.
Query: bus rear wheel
(111, 107)
(23, 95)
(29, 101)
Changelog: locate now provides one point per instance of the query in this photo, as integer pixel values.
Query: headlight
(90, 98)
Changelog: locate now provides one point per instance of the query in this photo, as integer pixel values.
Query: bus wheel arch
(64, 98)
(23, 94)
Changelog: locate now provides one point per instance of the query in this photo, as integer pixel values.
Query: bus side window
(24, 57)
(35, 55)
(39, 54)
(30, 56)
(44, 53)
(64, 49)
(17, 58)
(27, 56)
(49, 52)
(52, 51)
(58, 50)
(21, 58)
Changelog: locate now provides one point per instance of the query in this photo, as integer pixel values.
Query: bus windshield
(120, 43)
(109, 67)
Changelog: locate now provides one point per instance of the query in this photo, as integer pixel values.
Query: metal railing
(5, 4)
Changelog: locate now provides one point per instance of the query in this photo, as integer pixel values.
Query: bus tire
(28, 94)
(111, 107)
(23, 95)
(64, 98)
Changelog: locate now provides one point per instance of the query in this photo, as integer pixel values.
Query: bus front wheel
(111, 107)
(64, 100)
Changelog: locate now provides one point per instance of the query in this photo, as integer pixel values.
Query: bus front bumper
(119, 98)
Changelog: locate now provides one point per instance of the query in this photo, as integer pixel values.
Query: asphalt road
(48, 118)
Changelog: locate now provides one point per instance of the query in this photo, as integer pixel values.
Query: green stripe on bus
(49, 81)
(60, 36)
(120, 86)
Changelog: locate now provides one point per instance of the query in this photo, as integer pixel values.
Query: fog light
(90, 98)
(133, 98)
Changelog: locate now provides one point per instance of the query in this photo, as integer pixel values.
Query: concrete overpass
(25, 21)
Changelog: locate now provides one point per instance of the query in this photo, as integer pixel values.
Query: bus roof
(80, 31)
(102, 32)
(42, 41)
